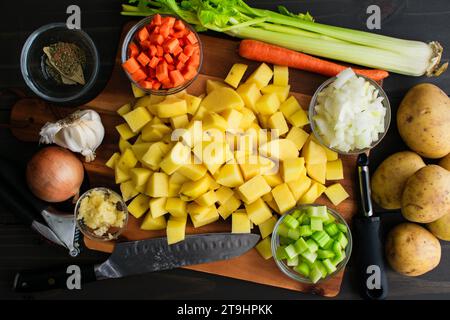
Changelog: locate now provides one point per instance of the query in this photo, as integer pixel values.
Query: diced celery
(306, 220)
(337, 247)
(329, 266)
(301, 217)
(303, 269)
(329, 244)
(281, 253)
(322, 268)
(301, 245)
(311, 211)
(293, 234)
(322, 213)
(305, 231)
(283, 230)
(342, 227)
(292, 262)
(309, 256)
(296, 213)
(330, 219)
(325, 254)
(315, 274)
(290, 251)
(316, 224)
(312, 245)
(321, 237)
(332, 229)
(285, 241)
(290, 222)
(338, 258)
(342, 239)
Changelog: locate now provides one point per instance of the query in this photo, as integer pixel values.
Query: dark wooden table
(20, 248)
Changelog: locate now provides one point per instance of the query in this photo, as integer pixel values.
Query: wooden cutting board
(29, 115)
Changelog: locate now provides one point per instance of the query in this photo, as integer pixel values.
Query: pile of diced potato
(224, 163)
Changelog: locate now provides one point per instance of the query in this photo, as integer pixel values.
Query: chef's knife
(143, 256)
(369, 255)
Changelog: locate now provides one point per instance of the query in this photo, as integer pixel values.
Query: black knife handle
(61, 278)
(372, 276)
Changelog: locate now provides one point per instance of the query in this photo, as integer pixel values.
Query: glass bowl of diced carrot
(162, 54)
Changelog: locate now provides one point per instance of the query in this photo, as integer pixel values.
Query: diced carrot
(178, 34)
(179, 65)
(152, 73)
(177, 51)
(152, 50)
(153, 62)
(182, 57)
(170, 67)
(191, 38)
(139, 75)
(194, 60)
(189, 73)
(134, 50)
(159, 51)
(162, 71)
(166, 84)
(146, 84)
(143, 59)
(171, 44)
(156, 39)
(176, 77)
(165, 30)
(157, 19)
(169, 20)
(156, 85)
(143, 34)
(145, 44)
(189, 50)
(181, 42)
(131, 65)
(179, 25)
(157, 29)
(168, 58)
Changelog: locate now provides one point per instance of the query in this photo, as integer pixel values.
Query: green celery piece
(321, 237)
(342, 227)
(285, 241)
(322, 268)
(312, 245)
(329, 266)
(331, 229)
(305, 231)
(294, 234)
(292, 262)
(325, 254)
(306, 220)
(303, 269)
(281, 254)
(338, 258)
(322, 213)
(311, 211)
(309, 256)
(300, 218)
(315, 274)
(303, 260)
(330, 219)
(329, 244)
(290, 222)
(301, 245)
(283, 230)
(290, 251)
(342, 239)
(296, 213)
(337, 247)
(316, 224)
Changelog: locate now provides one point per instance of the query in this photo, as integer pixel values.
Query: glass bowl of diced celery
(311, 243)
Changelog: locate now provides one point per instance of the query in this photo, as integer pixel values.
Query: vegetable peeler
(369, 253)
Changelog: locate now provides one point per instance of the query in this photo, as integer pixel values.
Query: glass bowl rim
(387, 117)
(84, 229)
(130, 36)
(289, 270)
(24, 57)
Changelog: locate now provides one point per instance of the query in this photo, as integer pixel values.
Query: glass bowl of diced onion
(288, 266)
(378, 93)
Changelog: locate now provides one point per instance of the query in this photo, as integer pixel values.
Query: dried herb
(67, 60)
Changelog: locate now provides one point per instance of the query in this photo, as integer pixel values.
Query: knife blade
(143, 256)
(370, 262)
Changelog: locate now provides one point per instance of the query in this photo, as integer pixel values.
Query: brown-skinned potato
(445, 162)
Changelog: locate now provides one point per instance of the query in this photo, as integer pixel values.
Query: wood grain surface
(29, 115)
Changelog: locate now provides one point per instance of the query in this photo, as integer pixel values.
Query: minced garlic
(101, 210)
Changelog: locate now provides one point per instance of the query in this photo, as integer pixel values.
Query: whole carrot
(264, 52)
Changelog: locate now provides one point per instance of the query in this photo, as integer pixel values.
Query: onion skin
(54, 174)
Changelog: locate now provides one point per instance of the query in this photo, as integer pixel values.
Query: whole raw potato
(441, 227)
(390, 178)
(445, 162)
(412, 250)
(423, 120)
(426, 197)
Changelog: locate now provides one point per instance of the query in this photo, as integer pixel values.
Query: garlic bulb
(82, 132)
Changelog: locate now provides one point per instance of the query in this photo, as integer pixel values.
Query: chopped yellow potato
(336, 193)
(280, 75)
(335, 170)
(158, 207)
(299, 118)
(128, 190)
(249, 93)
(227, 208)
(222, 99)
(253, 189)
(317, 171)
(212, 85)
(266, 228)
(283, 197)
(111, 163)
(171, 108)
(273, 179)
(140, 148)
(261, 76)
(125, 131)
(193, 103)
(223, 194)
(267, 104)
(180, 121)
(193, 189)
(137, 92)
(314, 153)
(298, 136)
(176, 207)
(127, 159)
(230, 175)
(235, 74)
(315, 191)
(207, 199)
(210, 216)
(281, 149)
(278, 123)
(178, 156)
(331, 155)
(290, 106)
(175, 230)
(291, 169)
(124, 145)
(158, 185)
(140, 176)
(299, 187)
(124, 109)
(282, 92)
(233, 118)
(258, 211)
(121, 174)
(151, 223)
(264, 248)
(240, 223)
(154, 155)
(139, 205)
(137, 118)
